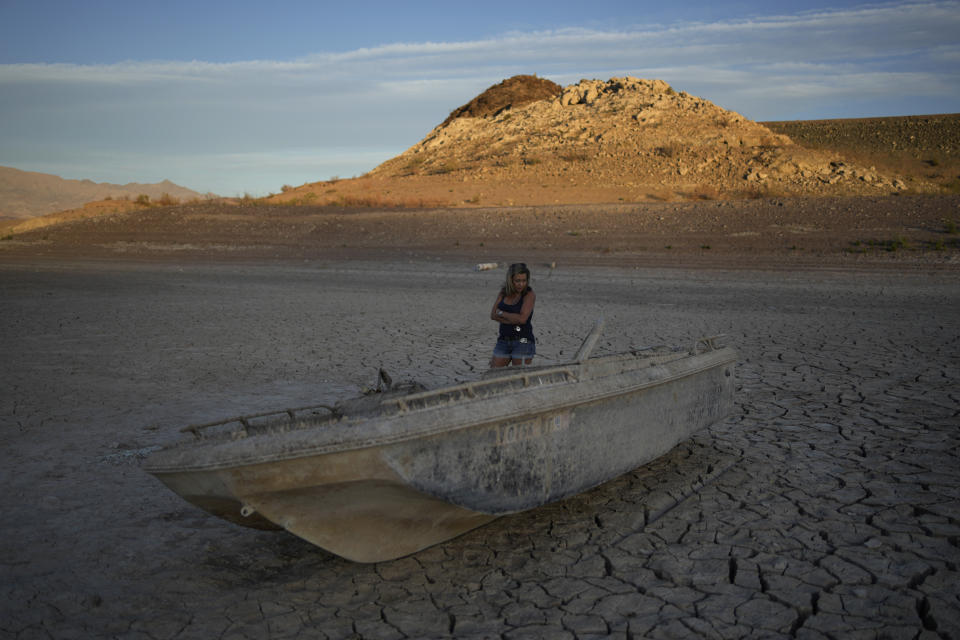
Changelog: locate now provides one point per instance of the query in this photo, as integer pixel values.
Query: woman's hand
(495, 313)
(505, 317)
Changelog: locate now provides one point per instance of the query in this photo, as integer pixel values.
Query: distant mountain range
(26, 194)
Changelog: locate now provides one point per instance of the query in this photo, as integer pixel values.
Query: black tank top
(514, 331)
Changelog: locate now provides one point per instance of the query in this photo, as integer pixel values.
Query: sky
(240, 97)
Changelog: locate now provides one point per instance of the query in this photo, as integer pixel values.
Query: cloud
(885, 59)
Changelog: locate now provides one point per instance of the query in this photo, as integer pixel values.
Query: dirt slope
(924, 148)
(779, 232)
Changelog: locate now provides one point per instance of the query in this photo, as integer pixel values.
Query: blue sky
(244, 97)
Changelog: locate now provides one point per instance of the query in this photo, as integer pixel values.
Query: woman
(514, 310)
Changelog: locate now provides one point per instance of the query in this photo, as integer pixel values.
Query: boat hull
(409, 484)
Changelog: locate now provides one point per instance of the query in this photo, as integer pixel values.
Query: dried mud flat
(825, 506)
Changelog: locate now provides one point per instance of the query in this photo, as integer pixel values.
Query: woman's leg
(497, 361)
(523, 354)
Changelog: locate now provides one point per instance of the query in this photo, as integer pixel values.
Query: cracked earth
(825, 506)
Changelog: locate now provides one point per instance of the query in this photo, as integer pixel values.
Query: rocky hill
(620, 140)
(26, 194)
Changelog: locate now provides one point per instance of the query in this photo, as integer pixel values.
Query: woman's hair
(512, 270)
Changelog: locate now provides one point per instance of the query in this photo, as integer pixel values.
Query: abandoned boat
(389, 474)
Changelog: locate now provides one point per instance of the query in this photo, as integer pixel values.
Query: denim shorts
(514, 349)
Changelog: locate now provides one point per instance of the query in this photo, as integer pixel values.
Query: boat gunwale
(526, 373)
(468, 388)
(400, 433)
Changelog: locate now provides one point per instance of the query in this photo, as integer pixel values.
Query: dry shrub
(444, 168)
(662, 195)
(753, 193)
(705, 192)
(666, 151)
(381, 202)
(412, 168)
(770, 142)
(726, 120)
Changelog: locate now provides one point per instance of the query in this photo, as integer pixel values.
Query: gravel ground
(772, 233)
(825, 506)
